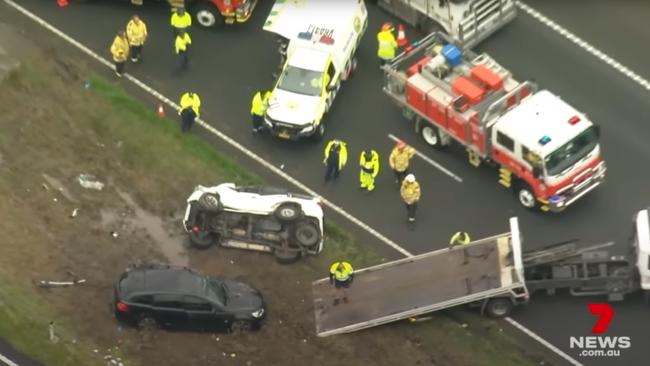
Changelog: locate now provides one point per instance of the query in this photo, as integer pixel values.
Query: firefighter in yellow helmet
(410, 192)
(258, 109)
(336, 156)
(190, 110)
(341, 276)
(459, 238)
(136, 31)
(180, 20)
(369, 163)
(399, 160)
(387, 43)
(120, 52)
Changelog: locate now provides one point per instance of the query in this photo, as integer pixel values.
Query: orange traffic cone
(161, 111)
(401, 36)
(62, 3)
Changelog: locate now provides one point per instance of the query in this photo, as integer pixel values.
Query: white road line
(7, 361)
(585, 45)
(255, 157)
(541, 340)
(430, 161)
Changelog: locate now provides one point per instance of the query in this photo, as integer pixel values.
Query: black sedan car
(179, 298)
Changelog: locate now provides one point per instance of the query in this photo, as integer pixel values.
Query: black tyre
(211, 202)
(203, 239)
(526, 196)
(499, 307)
(207, 15)
(319, 133)
(306, 234)
(148, 322)
(285, 256)
(241, 326)
(288, 212)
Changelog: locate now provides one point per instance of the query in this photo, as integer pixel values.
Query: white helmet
(410, 178)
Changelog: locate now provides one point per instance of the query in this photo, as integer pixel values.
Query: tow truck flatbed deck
(417, 285)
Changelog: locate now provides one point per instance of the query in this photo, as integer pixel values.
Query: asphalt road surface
(229, 65)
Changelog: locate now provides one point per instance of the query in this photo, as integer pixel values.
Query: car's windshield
(571, 152)
(301, 81)
(215, 290)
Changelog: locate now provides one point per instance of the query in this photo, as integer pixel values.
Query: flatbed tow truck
(492, 274)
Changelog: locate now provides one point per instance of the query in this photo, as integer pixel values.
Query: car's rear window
(130, 282)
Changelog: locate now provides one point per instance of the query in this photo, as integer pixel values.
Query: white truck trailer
(487, 273)
(468, 22)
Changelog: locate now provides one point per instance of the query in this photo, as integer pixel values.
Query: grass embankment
(56, 126)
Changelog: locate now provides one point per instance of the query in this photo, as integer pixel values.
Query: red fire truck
(212, 13)
(544, 149)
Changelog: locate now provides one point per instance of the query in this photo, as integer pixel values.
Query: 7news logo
(600, 344)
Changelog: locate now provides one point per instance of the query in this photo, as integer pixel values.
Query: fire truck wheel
(431, 136)
(207, 15)
(526, 196)
(499, 307)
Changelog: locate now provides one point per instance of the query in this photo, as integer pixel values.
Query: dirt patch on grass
(54, 128)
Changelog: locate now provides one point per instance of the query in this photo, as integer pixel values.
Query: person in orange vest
(387, 43)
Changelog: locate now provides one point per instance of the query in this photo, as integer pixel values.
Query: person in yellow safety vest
(190, 109)
(181, 44)
(258, 109)
(180, 20)
(120, 52)
(387, 43)
(459, 238)
(369, 162)
(399, 160)
(341, 274)
(336, 156)
(136, 31)
(410, 192)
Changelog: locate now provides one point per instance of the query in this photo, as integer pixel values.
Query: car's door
(201, 314)
(169, 311)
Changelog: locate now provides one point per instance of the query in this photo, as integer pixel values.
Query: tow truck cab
(552, 148)
(642, 248)
(322, 40)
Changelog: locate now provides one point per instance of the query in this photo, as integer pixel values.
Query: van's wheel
(210, 201)
(241, 326)
(203, 239)
(288, 212)
(208, 16)
(349, 69)
(286, 256)
(526, 196)
(499, 307)
(431, 136)
(306, 234)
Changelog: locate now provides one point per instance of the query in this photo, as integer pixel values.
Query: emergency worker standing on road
(400, 159)
(136, 31)
(369, 163)
(120, 52)
(180, 21)
(387, 43)
(336, 156)
(410, 192)
(190, 110)
(459, 238)
(182, 45)
(258, 109)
